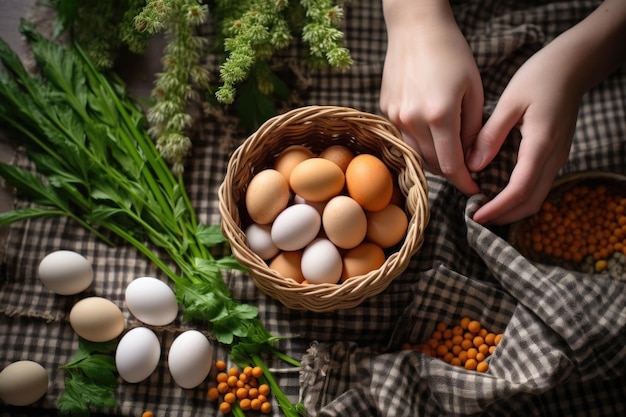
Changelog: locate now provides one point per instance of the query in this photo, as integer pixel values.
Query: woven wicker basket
(559, 187)
(318, 127)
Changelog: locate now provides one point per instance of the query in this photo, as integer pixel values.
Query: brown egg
(267, 195)
(290, 157)
(362, 260)
(97, 319)
(369, 182)
(339, 154)
(317, 179)
(287, 264)
(344, 222)
(388, 226)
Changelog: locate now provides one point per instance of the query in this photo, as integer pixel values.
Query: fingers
(493, 134)
(445, 130)
(530, 183)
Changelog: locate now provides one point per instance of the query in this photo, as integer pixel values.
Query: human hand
(431, 87)
(544, 107)
(542, 100)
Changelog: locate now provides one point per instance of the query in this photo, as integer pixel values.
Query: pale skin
(432, 91)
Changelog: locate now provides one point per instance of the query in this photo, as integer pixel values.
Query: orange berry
(212, 394)
(242, 393)
(257, 371)
(232, 381)
(223, 387)
(474, 326)
(221, 377)
(220, 365)
(266, 407)
(255, 404)
(482, 366)
(233, 372)
(225, 408)
(230, 398)
(245, 404)
(147, 414)
(264, 389)
(471, 364)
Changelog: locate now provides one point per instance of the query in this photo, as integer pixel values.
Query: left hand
(542, 103)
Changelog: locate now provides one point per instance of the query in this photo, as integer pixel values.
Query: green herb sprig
(91, 379)
(97, 164)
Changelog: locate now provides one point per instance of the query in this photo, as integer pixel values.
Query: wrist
(423, 13)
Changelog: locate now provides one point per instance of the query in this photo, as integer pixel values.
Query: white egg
(65, 272)
(152, 301)
(295, 227)
(260, 241)
(23, 383)
(189, 359)
(321, 262)
(137, 354)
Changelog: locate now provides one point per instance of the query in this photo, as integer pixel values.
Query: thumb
(492, 135)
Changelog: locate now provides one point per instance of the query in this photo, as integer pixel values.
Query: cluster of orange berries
(467, 344)
(241, 387)
(585, 222)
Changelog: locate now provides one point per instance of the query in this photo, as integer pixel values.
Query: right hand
(431, 87)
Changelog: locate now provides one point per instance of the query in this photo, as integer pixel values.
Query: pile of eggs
(324, 218)
(98, 319)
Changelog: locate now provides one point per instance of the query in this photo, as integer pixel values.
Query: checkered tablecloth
(564, 346)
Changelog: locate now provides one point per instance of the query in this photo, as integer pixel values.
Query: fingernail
(475, 160)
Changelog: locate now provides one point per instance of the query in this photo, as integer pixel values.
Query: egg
(295, 227)
(266, 196)
(321, 262)
(137, 354)
(362, 260)
(369, 182)
(65, 272)
(97, 319)
(388, 226)
(189, 359)
(23, 383)
(290, 157)
(344, 222)
(339, 154)
(259, 239)
(287, 264)
(152, 301)
(317, 179)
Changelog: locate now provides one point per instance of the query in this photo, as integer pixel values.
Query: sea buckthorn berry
(465, 322)
(264, 389)
(147, 414)
(255, 404)
(222, 377)
(474, 326)
(478, 340)
(233, 372)
(225, 408)
(257, 371)
(230, 398)
(213, 394)
(482, 366)
(245, 404)
(471, 364)
(220, 365)
(242, 393)
(232, 381)
(497, 339)
(223, 387)
(266, 407)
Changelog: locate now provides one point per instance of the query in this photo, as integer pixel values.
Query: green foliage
(91, 379)
(248, 34)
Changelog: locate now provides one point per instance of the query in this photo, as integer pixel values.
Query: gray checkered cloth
(564, 346)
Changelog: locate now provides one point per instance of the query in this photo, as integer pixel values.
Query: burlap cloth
(564, 345)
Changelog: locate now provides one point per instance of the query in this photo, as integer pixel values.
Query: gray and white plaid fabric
(564, 346)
